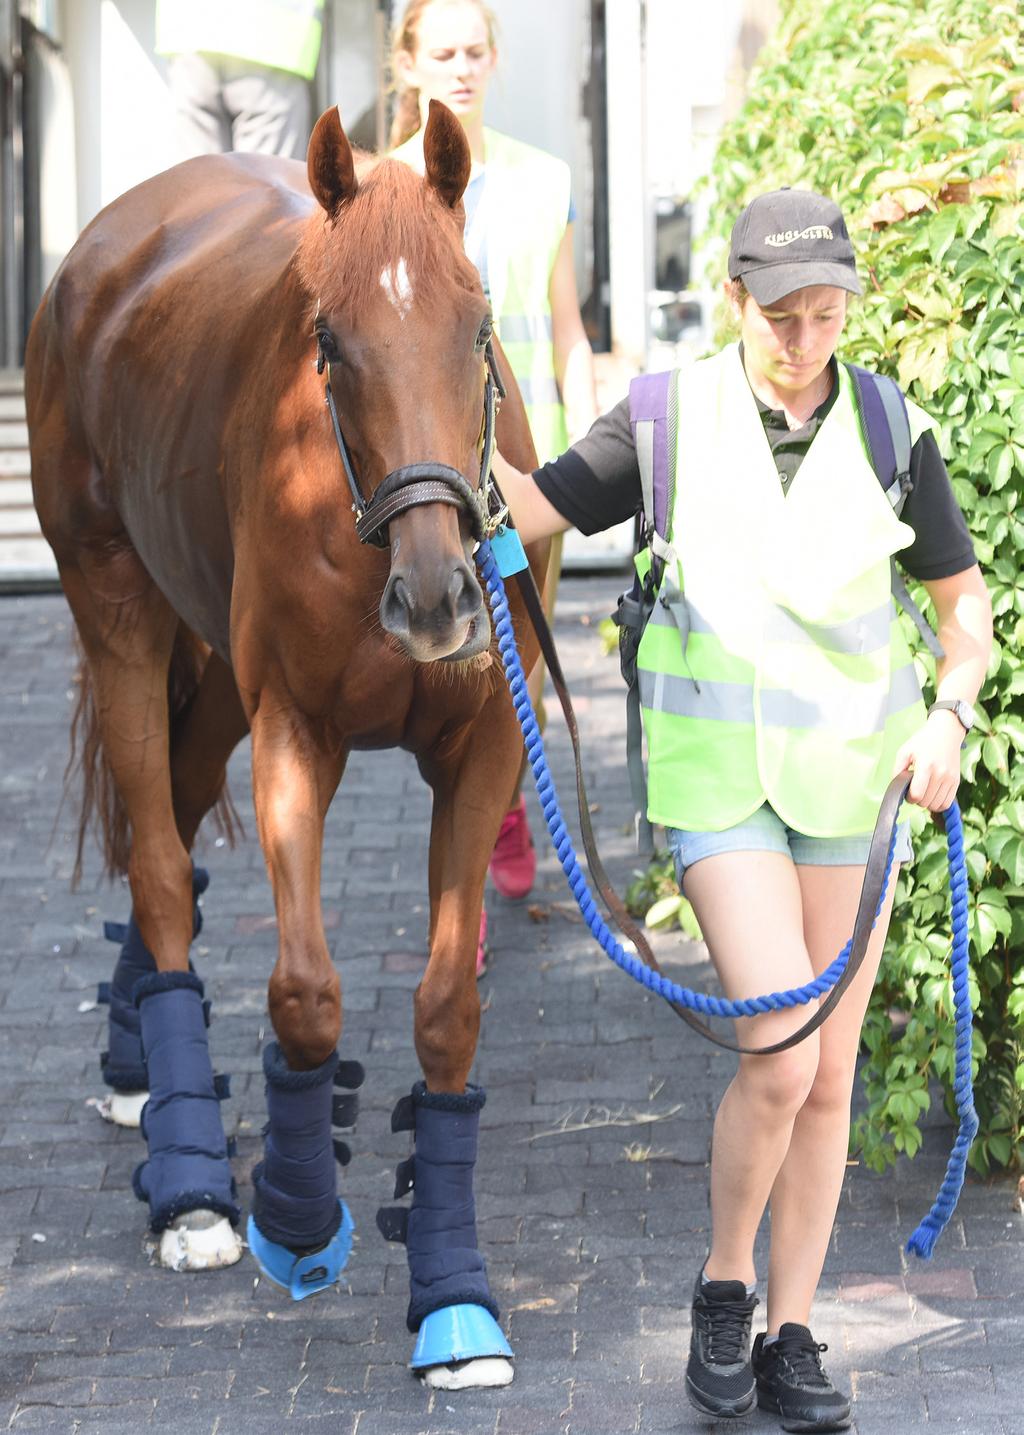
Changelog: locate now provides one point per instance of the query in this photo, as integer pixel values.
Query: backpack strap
(653, 419)
(886, 428)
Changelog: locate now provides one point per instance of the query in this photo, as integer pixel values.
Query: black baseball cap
(790, 239)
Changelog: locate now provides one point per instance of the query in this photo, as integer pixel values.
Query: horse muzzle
(443, 619)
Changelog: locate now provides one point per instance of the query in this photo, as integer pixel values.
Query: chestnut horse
(199, 496)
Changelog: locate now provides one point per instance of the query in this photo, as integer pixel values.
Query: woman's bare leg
(807, 1189)
(749, 905)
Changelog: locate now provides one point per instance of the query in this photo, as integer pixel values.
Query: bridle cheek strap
(418, 483)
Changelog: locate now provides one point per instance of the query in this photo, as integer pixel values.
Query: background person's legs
(513, 863)
(535, 683)
(201, 124)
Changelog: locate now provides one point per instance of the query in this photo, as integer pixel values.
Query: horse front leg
(451, 1308)
(299, 1231)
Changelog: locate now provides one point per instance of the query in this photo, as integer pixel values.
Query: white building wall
(123, 130)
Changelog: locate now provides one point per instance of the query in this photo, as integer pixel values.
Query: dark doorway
(12, 203)
(597, 313)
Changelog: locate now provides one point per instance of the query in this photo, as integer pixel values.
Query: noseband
(417, 483)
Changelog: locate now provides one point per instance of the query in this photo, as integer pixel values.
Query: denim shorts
(765, 831)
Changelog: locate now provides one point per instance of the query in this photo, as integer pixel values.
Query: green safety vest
(527, 199)
(773, 667)
(282, 34)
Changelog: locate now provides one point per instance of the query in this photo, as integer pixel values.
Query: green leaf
(994, 753)
(663, 915)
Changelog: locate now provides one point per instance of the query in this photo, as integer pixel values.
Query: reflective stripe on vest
(846, 713)
(865, 634)
(527, 203)
(281, 34)
(773, 667)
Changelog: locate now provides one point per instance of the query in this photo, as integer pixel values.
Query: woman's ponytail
(407, 118)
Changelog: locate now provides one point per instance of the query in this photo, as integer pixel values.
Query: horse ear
(446, 157)
(329, 163)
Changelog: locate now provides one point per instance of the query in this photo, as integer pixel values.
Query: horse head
(403, 330)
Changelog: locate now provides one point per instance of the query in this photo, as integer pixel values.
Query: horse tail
(102, 809)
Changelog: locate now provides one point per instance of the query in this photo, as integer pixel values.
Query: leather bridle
(418, 483)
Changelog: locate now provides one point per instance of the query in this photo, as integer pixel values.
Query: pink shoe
(481, 950)
(513, 861)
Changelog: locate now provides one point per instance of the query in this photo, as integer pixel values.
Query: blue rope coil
(923, 1240)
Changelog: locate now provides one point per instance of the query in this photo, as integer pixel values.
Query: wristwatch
(965, 714)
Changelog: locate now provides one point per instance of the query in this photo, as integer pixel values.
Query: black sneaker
(719, 1378)
(792, 1384)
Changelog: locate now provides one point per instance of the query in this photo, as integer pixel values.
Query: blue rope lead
(923, 1240)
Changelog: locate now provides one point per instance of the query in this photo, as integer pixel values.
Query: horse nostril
(396, 606)
(464, 595)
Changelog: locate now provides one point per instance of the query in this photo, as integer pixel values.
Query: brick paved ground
(591, 1183)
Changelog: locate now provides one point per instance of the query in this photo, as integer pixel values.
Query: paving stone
(593, 1236)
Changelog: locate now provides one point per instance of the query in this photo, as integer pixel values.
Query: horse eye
(484, 336)
(327, 345)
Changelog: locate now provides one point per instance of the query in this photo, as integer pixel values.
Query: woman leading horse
(199, 497)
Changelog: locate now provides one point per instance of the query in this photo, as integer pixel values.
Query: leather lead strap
(871, 889)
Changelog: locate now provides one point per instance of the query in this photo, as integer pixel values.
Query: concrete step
(13, 435)
(26, 560)
(18, 523)
(15, 493)
(25, 564)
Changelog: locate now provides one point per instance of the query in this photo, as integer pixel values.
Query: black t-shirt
(596, 484)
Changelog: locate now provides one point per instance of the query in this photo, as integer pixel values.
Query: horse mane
(394, 216)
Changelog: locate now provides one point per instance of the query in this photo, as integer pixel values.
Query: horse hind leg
(122, 1063)
(207, 729)
(128, 632)
(207, 722)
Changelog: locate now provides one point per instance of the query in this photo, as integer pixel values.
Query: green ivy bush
(911, 115)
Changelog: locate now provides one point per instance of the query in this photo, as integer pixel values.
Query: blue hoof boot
(303, 1275)
(458, 1332)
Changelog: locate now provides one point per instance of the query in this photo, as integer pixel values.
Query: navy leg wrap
(296, 1200)
(122, 1063)
(445, 1265)
(188, 1165)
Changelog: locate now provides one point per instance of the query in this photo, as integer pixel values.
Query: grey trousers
(223, 104)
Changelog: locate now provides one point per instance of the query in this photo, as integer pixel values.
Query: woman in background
(519, 218)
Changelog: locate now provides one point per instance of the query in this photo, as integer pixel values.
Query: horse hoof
(200, 1241)
(486, 1374)
(303, 1275)
(461, 1347)
(122, 1108)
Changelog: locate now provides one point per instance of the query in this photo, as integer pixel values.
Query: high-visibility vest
(527, 208)
(773, 667)
(282, 34)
